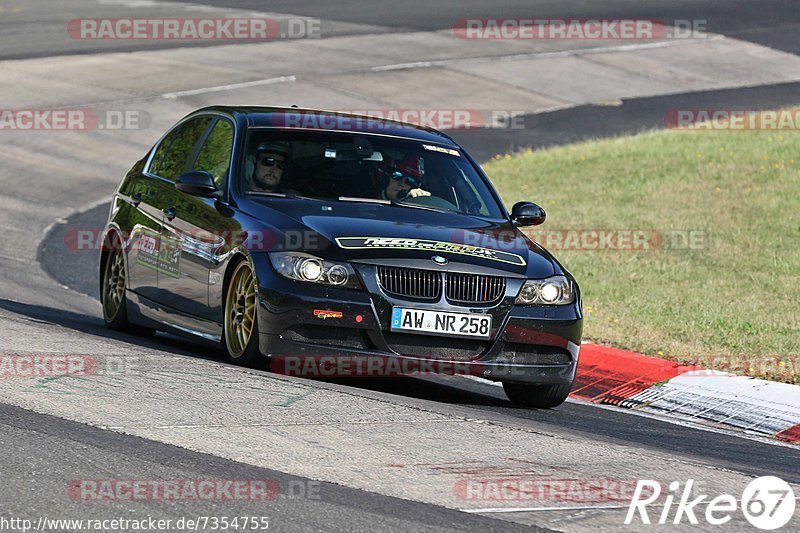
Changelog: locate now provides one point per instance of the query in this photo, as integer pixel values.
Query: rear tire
(240, 334)
(536, 396)
(113, 296)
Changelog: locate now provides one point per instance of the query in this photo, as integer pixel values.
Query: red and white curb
(657, 386)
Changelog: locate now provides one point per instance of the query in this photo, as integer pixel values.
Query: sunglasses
(410, 180)
(268, 161)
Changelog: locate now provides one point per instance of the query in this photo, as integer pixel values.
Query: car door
(146, 194)
(195, 229)
(150, 257)
(144, 225)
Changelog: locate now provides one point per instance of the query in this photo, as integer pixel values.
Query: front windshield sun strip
(284, 129)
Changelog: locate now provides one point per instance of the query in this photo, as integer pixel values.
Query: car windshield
(360, 167)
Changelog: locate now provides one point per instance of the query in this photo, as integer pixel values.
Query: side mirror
(197, 183)
(527, 214)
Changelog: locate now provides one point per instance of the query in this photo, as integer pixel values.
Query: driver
(269, 172)
(402, 178)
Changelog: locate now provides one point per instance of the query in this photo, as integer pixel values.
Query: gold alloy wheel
(114, 285)
(240, 310)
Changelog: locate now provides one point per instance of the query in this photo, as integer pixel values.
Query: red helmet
(409, 167)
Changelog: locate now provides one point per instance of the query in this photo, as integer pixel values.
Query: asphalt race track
(594, 422)
(772, 23)
(348, 455)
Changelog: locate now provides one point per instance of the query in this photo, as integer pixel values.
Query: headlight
(309, 269)
(551, 291)
(305, 267)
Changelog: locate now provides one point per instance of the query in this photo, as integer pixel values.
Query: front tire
(536, 396)
(241, 318)
(113, 298)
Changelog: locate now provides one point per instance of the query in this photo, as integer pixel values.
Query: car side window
(172, 155)
(478, 206)
(215, 156)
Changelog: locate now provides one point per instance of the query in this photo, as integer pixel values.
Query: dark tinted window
(173, 153)
(215, 156)
(343, 166)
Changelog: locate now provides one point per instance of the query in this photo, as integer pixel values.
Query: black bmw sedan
(298, 237)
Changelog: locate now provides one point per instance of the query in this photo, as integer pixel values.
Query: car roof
(296, 118)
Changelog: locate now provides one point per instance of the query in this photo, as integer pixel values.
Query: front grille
(430, 347)
(427, 285)
(474, 288)
(407, 282)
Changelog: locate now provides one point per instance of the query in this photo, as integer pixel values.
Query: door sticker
(159, 253)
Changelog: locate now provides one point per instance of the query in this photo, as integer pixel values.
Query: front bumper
(314, 330)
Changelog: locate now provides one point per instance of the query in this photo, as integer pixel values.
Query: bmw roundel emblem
(439, 260)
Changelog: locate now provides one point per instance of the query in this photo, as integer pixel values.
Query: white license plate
(441, 322)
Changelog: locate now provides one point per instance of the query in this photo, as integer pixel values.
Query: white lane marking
(413, 64)
(187, 6)
(542, 55)
(231, 87)
(298, 424)
(531, 509)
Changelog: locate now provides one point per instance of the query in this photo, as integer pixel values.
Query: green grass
(731, 305)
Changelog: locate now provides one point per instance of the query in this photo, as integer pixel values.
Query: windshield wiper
(270, 193)
(293, 196)
(400, 203)
(364, 200)
(396, 203)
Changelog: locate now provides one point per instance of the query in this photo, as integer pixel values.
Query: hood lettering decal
(362, 243)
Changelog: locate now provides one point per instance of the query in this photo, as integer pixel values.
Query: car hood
(354, 231)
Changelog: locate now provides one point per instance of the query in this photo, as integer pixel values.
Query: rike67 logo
(767, 503)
